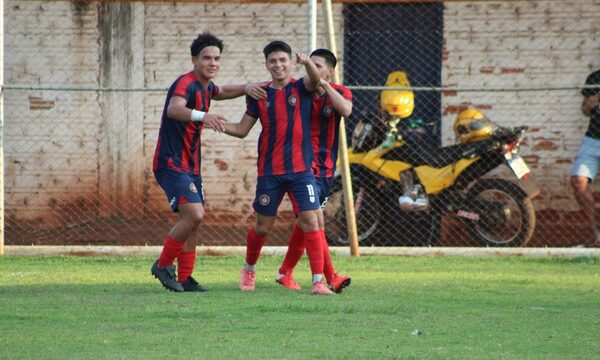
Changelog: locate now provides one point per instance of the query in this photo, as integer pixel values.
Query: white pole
(312, 26)
(1, 127)
(331, 34)
(343, 144)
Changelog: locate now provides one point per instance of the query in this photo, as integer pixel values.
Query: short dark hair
(203, 40)
(327, 55)
(277, 45)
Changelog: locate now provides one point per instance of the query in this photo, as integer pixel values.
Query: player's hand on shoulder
(215, 122)
(257, 90)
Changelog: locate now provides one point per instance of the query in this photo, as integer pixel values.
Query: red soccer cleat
(247, 280)
(319, 288)
(338, 283)
(288, 282)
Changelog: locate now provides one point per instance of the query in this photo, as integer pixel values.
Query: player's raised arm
(312, 77)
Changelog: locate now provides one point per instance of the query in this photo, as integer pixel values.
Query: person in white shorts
(587, 162)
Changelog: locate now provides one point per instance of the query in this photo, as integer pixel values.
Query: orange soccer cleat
(319, 288)
(338, 283)
(288, 282)
(247, 280)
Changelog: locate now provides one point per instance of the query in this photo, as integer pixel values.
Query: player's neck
(201, 79)
(281, 83)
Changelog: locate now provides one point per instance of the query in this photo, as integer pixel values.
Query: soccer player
(285, 156)
(176, 162)
(330, 103)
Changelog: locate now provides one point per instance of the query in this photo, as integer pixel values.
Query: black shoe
(166, 276)
(190, 284)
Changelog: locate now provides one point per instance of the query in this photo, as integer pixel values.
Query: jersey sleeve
(215, 90)
(181, 89)
(345, 92)
(252, 107)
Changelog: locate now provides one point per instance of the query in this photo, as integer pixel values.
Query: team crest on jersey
(327, 110)
(292, 100)
(193, 188)
(264, 200)
(268, 104)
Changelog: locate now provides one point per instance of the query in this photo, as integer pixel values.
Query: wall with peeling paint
(72, 156)
(525, 44)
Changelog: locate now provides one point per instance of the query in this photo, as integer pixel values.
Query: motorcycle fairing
(353, 158)
(435, 180)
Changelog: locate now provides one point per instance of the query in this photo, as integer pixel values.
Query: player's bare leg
(585, 198)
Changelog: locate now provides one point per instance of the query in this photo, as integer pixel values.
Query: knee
(264, 224)
(195, 218)
(579, 184)
(262, 229)
(309, 221)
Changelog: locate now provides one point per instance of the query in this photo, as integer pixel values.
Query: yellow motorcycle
(412, 186)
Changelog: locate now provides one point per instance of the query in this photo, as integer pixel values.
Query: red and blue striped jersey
(284, 144)
(325, 132)
(178, 146)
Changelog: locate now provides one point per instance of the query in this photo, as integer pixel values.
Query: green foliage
(396, 307)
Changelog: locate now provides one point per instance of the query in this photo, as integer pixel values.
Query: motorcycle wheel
(367, 215)
(516, 216)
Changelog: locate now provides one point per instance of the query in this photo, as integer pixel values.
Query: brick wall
(525, 44)
(89, 153)
(92, 151)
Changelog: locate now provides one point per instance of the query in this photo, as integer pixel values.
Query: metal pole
(331, 34)
(343, 144)
(1, 127)
(312, 26)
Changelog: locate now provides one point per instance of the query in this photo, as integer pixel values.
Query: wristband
(197, 115)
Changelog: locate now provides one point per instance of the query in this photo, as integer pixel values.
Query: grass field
(397, 307)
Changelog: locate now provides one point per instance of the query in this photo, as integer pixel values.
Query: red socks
(170, 250)
(186, 260)
(328, 269)
(294, 252)
(254, 244)
(314, 249)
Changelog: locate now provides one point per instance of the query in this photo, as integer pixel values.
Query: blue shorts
(270, 190)
(323, 187)
(587, 161)
(180, 187)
